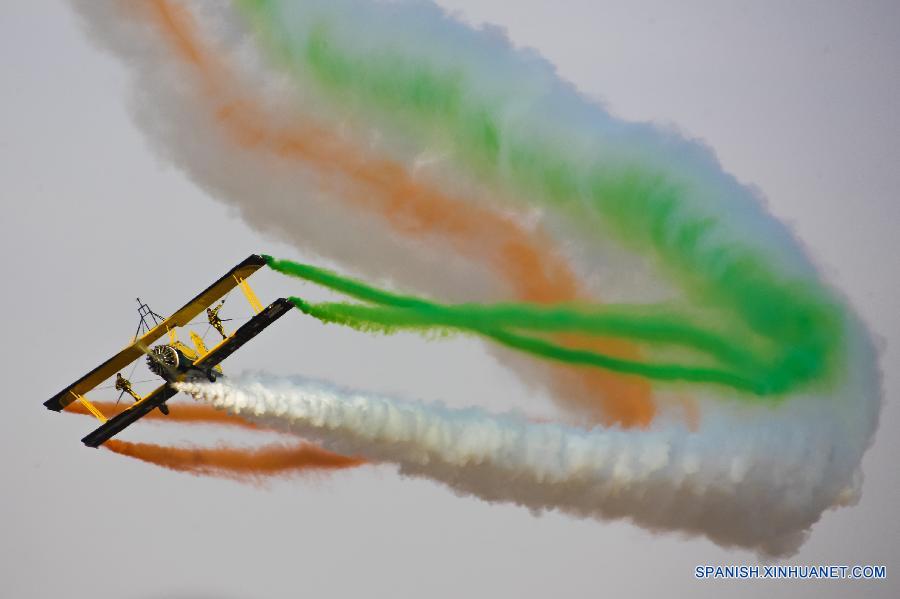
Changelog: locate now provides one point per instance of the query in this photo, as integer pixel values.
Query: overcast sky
(798, 98)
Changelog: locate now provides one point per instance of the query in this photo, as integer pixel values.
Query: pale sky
(800, 99)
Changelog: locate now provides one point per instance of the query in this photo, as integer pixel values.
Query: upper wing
(180, 318)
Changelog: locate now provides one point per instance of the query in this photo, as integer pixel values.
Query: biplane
(174, 361)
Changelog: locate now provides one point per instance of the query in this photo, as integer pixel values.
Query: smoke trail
(417, 151)
(418, 76)
(239, 464)
(492, 322)
(369, 319)
(741, 482)
(658, 328)
(207, 118)
(643, 204)
(242, 464)
(386, 187)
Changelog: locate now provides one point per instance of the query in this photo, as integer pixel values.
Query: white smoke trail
(754, 478)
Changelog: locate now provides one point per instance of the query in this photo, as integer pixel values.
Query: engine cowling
(165, 354)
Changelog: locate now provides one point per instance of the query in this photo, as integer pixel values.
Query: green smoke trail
(344, 285)
(388, 320)
(734, 367)
(646, 207)
(610, 321)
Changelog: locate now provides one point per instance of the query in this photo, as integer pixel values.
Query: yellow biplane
(173, 361)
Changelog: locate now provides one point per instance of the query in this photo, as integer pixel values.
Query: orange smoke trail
(526, 259)
(240, 464)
